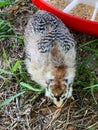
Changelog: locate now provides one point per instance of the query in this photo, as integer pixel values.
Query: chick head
(59, 85)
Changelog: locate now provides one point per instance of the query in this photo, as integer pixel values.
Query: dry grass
(31, 110)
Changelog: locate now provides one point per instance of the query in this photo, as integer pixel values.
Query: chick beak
(58, 103)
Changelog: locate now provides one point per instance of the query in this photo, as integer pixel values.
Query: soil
(36, 112)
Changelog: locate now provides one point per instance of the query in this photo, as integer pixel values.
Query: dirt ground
(36, 112)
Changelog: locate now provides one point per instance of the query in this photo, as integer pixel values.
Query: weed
(14, 78)
(86, 77)
(15, 71)
(5, 29)
(5, 3)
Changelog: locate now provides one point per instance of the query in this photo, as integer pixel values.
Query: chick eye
(49, 81)
(66, 80)
(63, 97)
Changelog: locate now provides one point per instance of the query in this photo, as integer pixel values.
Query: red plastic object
(76, 23)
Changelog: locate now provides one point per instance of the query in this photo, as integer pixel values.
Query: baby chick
(50, 55)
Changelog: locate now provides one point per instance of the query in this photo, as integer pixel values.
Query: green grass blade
(16, 66)
(5, 14)
(89, 43)
(29, 87)
(91, 49)
(5, 27)
(23, 74)
(5, 3)
(11, 36)
(5, 72)
(92, 86)
(4, 32)
(1, 23)
(88, 60)
(5, 56)
(7, 60)
(7, 101)
(1, 77)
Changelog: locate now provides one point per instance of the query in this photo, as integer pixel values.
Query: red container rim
(74, 22)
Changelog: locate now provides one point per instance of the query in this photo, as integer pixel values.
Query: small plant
(86, 77)
(5, 3)
(5, 29)
(16, 71)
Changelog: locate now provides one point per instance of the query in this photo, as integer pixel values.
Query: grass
(17, 73)
(5, 29)
(14, 72)
(82, 68)
(5, 3)
(87, 78)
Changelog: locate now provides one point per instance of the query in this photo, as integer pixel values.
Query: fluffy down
(50, 55)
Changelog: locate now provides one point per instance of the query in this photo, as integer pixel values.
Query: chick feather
(49, 46)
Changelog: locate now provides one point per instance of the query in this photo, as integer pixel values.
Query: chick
(50, 55)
